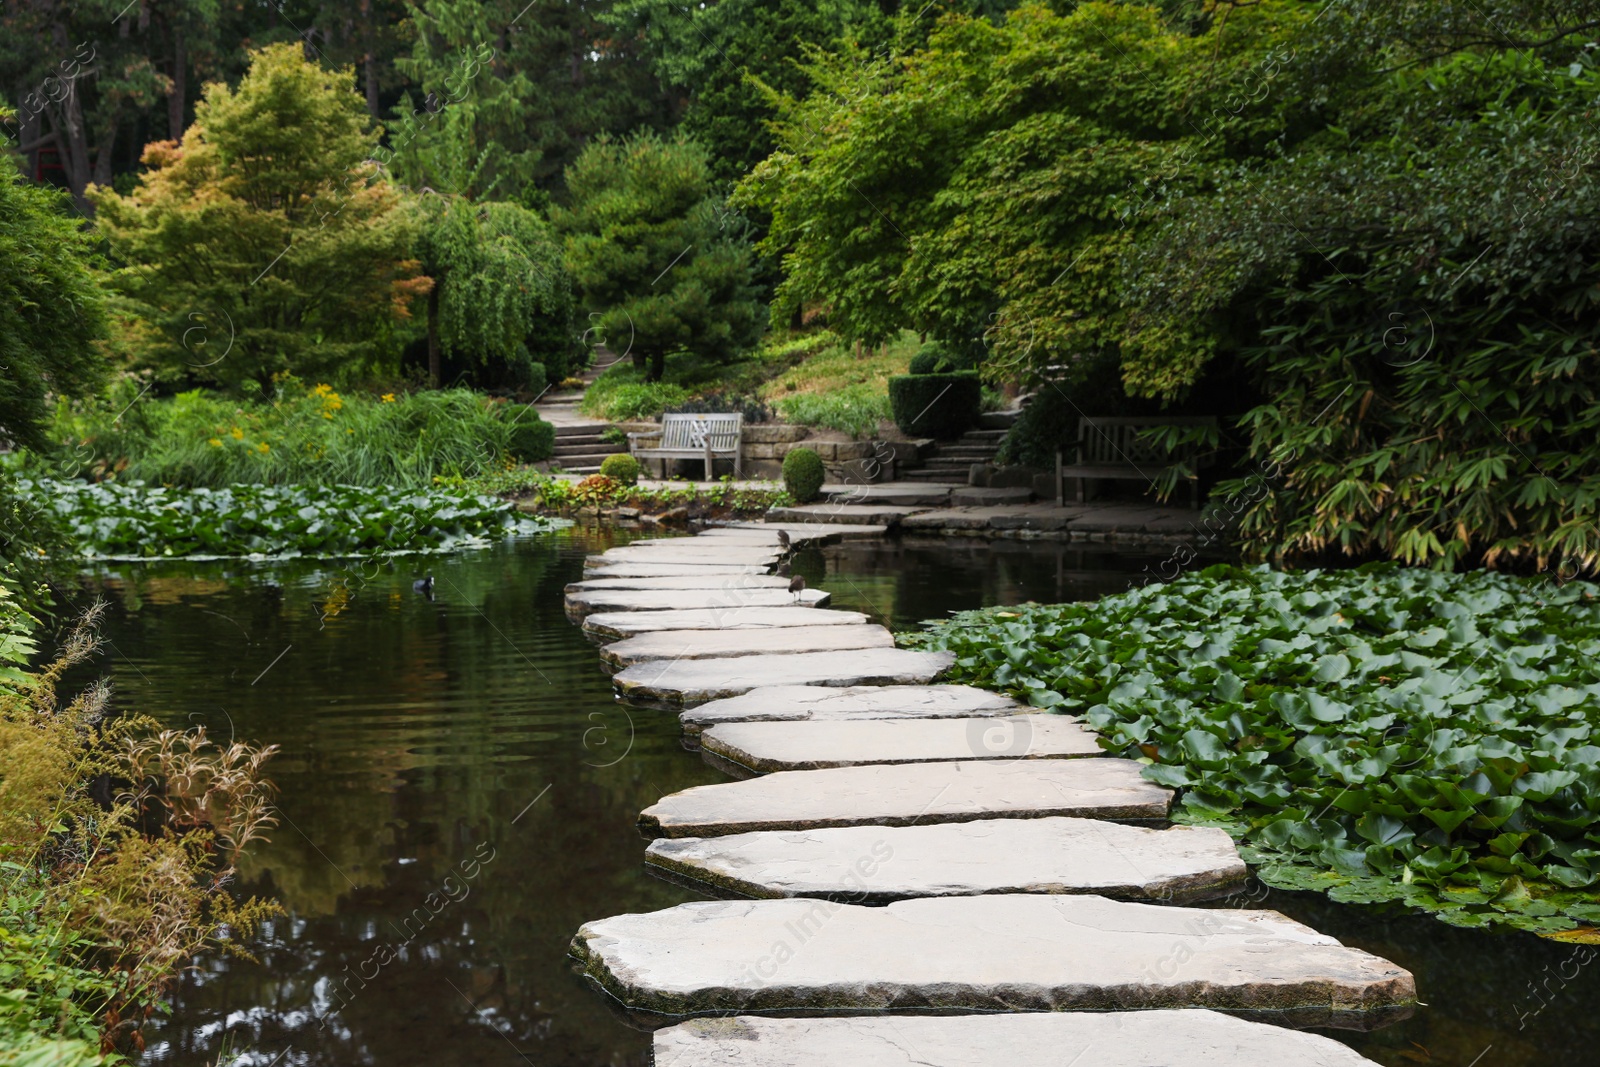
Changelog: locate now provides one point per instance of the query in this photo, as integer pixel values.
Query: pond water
(459, 790)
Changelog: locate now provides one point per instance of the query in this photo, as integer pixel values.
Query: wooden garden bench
(1113, 447)
(691, 437)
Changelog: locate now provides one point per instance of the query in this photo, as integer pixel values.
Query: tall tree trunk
(72, 144)
(102, 155)
(370, 60)
(433, 334)
(180, 84)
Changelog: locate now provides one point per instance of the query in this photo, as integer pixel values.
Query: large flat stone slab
(904, 494)
(688, 682)
(817, 703)
(670, 570)
(684, 581)
(611, 625)
(1160, 1038)
(587, 601)
(708, 644)
(688, 551)
(908, 794)
(834, 531)
(817, 534)
(1053, 855)
(762, 747)
(987, 953)
(869, 514)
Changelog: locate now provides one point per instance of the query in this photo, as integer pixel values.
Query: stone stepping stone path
(879, 864)
(919, 847)
(820, 703)
(908, 794)
(985, 953)
(761, 747)
(611, 625)
(672, 570)
(588, 601)
(827, 531)
(684, 581)
(1156, 1038)
(688, 682)
(708, 644)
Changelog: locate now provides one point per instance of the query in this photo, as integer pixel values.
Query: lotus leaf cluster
(1380, 734)
(129, 520)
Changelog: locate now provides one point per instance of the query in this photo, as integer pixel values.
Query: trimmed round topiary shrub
(621, 468)
(936, 405)
(803, 475)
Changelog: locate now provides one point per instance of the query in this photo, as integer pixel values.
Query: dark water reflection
(459, 791)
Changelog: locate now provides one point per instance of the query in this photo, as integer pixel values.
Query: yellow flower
(263, 447)
(388, 398)
(238, 434)
(327, 414)
(348, 430)
(214, 443)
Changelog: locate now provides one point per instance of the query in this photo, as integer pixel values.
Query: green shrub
(621, 468)
(936, 357)
(531, 438)
(1377, 734)
(936, 405)
(803, 475)
(300, 436)
(853, 409)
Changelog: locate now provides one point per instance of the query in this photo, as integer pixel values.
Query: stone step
(615, 625)
(725, 582)
(589, 601)
(1183, 1038)
(896, 493)
(764, 747)
(818, 703)
(970, 453)
(992, 437)
(937, 474)
(712, 644)
(590, 437)
(999, 420)
(671, 570)
(909, 793)
(684, 683)
(572, 461)
(988, 953)
(1055, 855)
(872, 514)
(687, 550)
(833, 531)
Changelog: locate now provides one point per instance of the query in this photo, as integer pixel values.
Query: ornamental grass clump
(1380, 734)
(118, 843)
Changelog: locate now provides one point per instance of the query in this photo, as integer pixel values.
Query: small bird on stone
(783, 539)
(424, 586)
(797, 585)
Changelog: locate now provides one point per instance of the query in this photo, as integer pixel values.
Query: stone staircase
(580, 444)
(951, 461)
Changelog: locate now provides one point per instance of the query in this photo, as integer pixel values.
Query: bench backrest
(1120, 438)
(695, 431)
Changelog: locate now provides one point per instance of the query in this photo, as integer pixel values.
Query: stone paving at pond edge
(1157, 1038)
(761, 747)
(611, 625)
(878, 864)
(820, 703)
(918, 847)
(906, 794)
(985, 953)
(708, 644)
(688, 682)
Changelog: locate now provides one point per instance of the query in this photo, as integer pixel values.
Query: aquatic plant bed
(1378, 734)
(129, 520)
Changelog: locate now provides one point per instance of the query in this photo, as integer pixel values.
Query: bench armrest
(644, 435)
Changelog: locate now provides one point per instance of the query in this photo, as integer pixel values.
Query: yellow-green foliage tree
(266, 241)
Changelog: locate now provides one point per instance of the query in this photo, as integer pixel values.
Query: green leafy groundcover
(1379, 734)
(132, 520)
